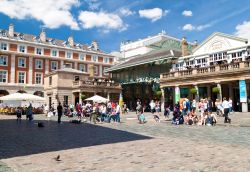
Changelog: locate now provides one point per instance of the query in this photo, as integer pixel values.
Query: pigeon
(57, 158)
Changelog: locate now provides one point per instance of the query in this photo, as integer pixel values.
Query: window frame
(40, 49)
(53, 50)
(24, 79)
(19, 46)
(37, 60)
(51, 66)
(7, 47)
(104, 73)
(6, 57)
(19, 58)
(83, 66)
(92, 58)
(84, 57)
(6, 76)
(105, 60)
(66, 55)
(41, 80)
(96, 72)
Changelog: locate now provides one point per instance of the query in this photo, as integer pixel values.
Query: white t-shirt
(225, 104)
(230, 103)
(152, 105)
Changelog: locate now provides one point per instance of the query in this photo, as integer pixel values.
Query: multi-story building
(219, 67)
(25, 59)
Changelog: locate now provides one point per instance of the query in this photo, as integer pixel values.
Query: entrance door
(236, 100)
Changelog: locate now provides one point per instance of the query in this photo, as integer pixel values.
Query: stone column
(219, 95)
(100, 70)
(30, 70)
(108, 95)
(209, 91)
(47, 66)
(75, 65)
(13, 68)
(80, 97)
(162, 100)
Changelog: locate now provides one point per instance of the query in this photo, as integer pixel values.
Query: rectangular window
(106, 60)
(82, 67)
(65, 99)
(54, 53)
(233, 55)
(39, 64)
(22, 48)
(224, 55)
(21, 77)
(105, 73)
(96, 70)
(50, 80)
(215, 57)
(239, 54)
(3, 46)
(77, 78)
(69, 55)
(38, 78)
(39, 51)
(21, 62)
(82, 57)
(220, 56)
(54, 65)
(94, 58)
(3, 60)
(68, 65)
(3, 76)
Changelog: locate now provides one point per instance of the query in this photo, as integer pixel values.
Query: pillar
(108, 96)
(13, 63)
(47, 66)
(75, 65)
(80, 97)
(100, 70)
(209, 91)
(243, 95)
(61, 65)
(219, 95)
(162, 100)
(30, 70)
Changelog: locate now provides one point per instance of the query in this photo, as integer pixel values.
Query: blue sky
(112, 21)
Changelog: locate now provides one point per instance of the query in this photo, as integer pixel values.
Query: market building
(219, 67)
(143, 61)
(25, 60)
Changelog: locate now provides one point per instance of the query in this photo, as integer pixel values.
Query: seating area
(12, 111)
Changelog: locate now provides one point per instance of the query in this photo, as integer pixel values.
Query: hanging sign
(243, 92)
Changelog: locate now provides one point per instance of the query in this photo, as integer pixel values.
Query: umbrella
(97, 98)
(22, 97)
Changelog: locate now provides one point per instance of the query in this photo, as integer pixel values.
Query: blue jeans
(118, 117)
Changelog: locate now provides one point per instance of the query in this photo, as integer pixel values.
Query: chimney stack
(11, 30)
(94, 45)
(43, 35)
(184, 47)
(71, 41)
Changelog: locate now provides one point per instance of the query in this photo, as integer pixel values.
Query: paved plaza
(128, 146)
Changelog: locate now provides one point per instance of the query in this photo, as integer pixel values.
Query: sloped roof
(150, 57)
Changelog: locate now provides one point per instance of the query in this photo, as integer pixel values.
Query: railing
(209, 69)
(95, 83)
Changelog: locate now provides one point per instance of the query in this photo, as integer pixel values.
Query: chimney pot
(71, 41)
(11, 30)
(43, 35)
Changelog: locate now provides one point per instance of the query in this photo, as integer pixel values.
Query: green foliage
(193, 90)
(216, 90)
(83, 96)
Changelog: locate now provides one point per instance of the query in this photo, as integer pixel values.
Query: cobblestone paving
(154, 147)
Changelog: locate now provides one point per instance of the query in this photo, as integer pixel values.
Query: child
(142, 119)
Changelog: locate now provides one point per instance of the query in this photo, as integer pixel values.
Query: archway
(3, 93)
(21, 91)
(39, 93)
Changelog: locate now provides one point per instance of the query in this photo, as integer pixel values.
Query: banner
(177, 94)
(243, 92)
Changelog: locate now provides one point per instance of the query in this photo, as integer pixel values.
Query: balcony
(96, 84)
(232, 71)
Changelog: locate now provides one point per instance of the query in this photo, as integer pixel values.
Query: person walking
(118, 112)
(226, 106)
(59, 112)
(29, 112)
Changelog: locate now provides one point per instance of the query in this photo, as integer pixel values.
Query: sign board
(177, 94)
(243, 92)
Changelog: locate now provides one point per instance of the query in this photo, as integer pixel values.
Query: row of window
(54, 53)
(21, 77)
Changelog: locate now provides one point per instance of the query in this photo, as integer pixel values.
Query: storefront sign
(177, 94)
(243, 92)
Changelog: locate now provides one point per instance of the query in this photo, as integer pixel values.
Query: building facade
(217, 68)
(26, 59)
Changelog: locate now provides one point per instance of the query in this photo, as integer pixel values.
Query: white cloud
(102, 20)
(190, 27)
(243, 30)
(52, 14)
(153, 14)
(125, 12)
(187, 13)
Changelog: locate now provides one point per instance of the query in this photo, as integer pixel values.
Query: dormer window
(69, 55)
(20, 36)
(39, 64)
(52, 41)
(94, 58)
(4, 33)
(37, 39)
(22, 48)
(38, 51)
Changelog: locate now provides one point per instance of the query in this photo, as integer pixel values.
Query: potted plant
(193, 90)
(83, 96)
(216, 90)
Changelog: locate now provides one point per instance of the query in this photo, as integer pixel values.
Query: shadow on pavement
(25, 138)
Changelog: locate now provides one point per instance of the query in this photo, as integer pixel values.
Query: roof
(219, 34)
(49, 41)
(150, 57)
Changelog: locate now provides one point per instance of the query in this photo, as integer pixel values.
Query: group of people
(96, 112)
(201, 113)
